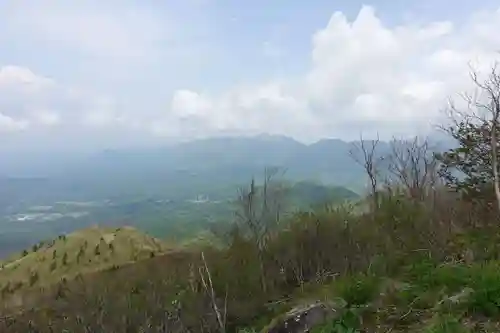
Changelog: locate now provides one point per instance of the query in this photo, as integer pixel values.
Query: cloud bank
(363, 75)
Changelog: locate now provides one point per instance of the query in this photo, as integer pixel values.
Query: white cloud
(96, 28)
(20, 80)
(47, 118)
(364, 75)
(265, 108)
(16, 84)
(31, 101)
(8, 125)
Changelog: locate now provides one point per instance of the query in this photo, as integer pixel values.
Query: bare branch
(365, 155)
(210, 290)
(482, 116)
(260, 211)
(413, 166)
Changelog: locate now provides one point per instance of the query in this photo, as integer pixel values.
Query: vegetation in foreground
(422, 258)
(404, 268)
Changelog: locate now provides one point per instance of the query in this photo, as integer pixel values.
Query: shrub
(34, 277)
(358, 289)
(349, 322)
(53, 266)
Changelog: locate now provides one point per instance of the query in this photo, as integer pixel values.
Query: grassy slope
(81, 252)
(452, 298)
(397, 270)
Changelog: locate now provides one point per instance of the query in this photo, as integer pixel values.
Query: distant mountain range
(232, 160)
(220, 160)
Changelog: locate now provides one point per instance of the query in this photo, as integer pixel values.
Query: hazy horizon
(92, 75)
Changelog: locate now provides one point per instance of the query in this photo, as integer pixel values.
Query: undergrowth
(410, 266)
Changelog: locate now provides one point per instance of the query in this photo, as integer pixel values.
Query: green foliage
(485, 283)
(349, 322)
(305, 195)
(358, 289)
(481, 279)
(467, 168)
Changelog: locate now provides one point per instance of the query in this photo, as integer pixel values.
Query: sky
(88, 74)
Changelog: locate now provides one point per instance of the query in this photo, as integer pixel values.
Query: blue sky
(96, 74)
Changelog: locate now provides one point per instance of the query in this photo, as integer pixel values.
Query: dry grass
(79, 253)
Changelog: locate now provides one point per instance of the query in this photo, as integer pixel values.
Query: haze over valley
(217, 166)
(169, 192)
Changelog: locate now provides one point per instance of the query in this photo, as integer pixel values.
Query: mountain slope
(81, 252)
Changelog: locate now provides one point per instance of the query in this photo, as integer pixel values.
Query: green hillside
(78, 253)
(172, 216)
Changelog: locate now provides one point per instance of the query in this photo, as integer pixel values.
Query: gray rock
(303, 318)
(461, 297)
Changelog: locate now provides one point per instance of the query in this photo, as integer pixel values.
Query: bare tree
(490, 104)
(476, 130)
(411, 164)
(259, 211)
(364, 154)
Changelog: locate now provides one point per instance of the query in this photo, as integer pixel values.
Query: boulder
(306, 316)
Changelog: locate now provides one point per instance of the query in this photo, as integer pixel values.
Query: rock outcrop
(303, 318)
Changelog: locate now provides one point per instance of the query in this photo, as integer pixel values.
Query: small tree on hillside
(53, 266)
(34, 277)
(472, 167)
(468, 168)
(80, 254)
(259, 211)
